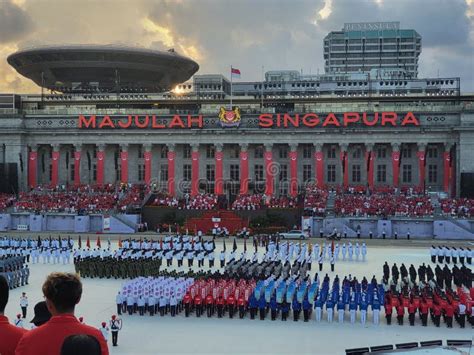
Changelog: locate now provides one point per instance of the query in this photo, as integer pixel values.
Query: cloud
(248, 34)
(15, 23)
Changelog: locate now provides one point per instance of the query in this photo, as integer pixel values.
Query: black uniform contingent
(113, 267)
(14, 270)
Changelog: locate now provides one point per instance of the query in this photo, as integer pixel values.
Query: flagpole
(261, 92)
(230, 88)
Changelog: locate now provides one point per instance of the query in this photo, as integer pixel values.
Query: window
(283, 152)
(94, 153)
(331, 173)
(258, 152)
(163, 173)
(50, 172)
(210, 151)
(406, 153)
(118, 173)
(164, 152)
(307, 173)
(307, 151)
(187, 151)
(141, 172)
(332, 152)
(432, 174)
(187, 172)
(72, 170)
(406, 173)
(258, 172)
(234, 172)
(356, 173)
(234, 152)
(381, 152)
(432, 152)
(381, 173)
(283, 176)
(357, 153)
(210, 172)
(94, 172)
(140, 152)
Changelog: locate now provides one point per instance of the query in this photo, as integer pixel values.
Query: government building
(111, 114)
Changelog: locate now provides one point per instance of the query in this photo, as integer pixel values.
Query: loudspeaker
(467, 185)
(431, 343)
(406, 345)
(357, 351)
(459, 342)
(375, 349)
(9, 178)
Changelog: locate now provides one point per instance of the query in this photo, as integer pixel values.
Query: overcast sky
(249, 34)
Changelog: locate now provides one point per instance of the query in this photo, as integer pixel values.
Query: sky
(247, 34)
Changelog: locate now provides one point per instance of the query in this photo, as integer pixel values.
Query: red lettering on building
(143, 124)
(295, 121)
(106, 123)
(127, 124)
(410, 119)
(310, 120)
(176, 121)
(265, 120)
(389, 117)
(192, 120)
(331, 119)
(350, 117)
(367, 122)
(87, 123)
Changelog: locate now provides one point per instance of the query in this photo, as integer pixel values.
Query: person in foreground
(9, 334)
(62, 292)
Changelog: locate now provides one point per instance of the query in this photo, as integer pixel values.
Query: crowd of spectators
(259, 201)
(316, 200)
(249, 202)
(458, 207)
(6, 200)
(383, 205)
(199, 202)
(80, 199)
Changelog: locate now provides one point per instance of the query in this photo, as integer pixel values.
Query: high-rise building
(360, 47)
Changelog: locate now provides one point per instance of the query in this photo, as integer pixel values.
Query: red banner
(124, 167)
(319, 169)
(421, 165)
(293, 173)
(100, 167)
(219, 184)
(32, 168)
(194, 173)
(446, 171)
(395, 167)
(77, 167)
(270, 169)
(54, 170)
(244, 172)
(147, 158)
(171, 177)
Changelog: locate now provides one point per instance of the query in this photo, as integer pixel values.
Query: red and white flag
(235, 73)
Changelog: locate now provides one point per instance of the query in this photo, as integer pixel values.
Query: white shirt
(105, 332)
(24, 301)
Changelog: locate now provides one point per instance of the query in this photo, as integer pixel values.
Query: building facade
(361, 47)
(186, 146)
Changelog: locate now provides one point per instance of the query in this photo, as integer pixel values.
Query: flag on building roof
(235, 73)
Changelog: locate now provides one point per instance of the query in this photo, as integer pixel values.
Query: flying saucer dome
(84, 68)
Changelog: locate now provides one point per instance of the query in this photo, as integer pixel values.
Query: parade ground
(180, 335)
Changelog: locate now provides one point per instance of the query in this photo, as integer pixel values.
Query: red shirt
(48, 339)
(9, 336)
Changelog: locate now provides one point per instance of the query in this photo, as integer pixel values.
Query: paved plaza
(167, 335)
